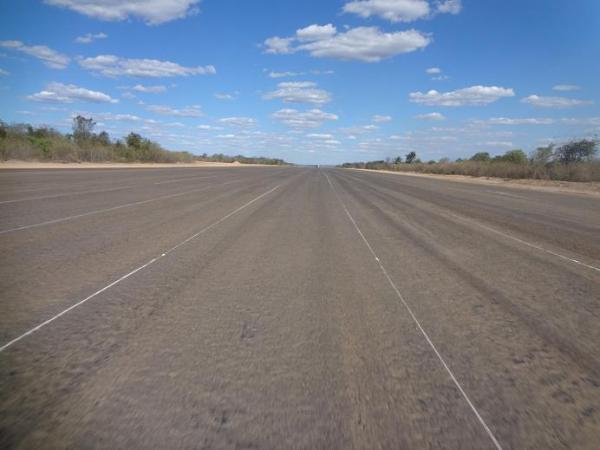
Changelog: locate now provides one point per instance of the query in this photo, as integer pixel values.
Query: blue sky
(308, 81)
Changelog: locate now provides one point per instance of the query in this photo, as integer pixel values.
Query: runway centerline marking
(414, 317)
(134, 271)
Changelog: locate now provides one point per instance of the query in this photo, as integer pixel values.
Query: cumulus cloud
(554, 102)
(378, 118)
(392, 10)
(49, 57)
(153, 12)
(566, 87)
(241, 122)
(448, 7)
(299, 92)
(69, 93)
(471, 96)
(433, 70)
(401, 10)
(367, 44)
(4, 72)
(114, 66)
(431, 116)
(316, 32)
(313, 118)
(188, 111)
(90, 37)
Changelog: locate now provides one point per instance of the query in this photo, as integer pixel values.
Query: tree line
(23, 141)
(573, 161)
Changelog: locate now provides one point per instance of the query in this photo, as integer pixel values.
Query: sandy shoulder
(591, 188)
(106, 165)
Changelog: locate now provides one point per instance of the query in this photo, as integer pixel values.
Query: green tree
(410, 157)
(83, 128)
(134, 140)
(576, 151)
(516, 156)
(103, 138)
(481, 157)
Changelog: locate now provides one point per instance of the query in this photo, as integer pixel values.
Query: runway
(294, 307)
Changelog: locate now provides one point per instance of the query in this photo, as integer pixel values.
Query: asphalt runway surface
(295, 308)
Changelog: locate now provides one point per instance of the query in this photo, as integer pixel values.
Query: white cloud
(223, 96)
(555, 102)
(109, 117)
(279, 46)
(114, 66)
(431, 116)
(69, 93)
(283, 74)
(401, 10)
(313, 118)
(322, 72)
(319, 136)
(378, 118)
(49, 57)
(188, 111)
(449, 7)
(585, 121)
(472, 96)
(360, 129)
(566, 87)
(4, 72)
(517, 121)
(392, 10)
(204, 127)
(153, 12)
(299, 92)
(90, 37)
(433, 70)
(367, 44)
(149, 89)
(238, 121)
(496, 144)
(316, 32)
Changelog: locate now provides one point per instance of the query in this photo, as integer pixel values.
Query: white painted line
(134, 271)
(521, 241)
(94, 191)
(99, 211)
(68, 194)
(114, 208)
(421, 329)
(514, 238)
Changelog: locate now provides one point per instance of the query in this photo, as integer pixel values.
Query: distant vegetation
(573, 161)
(25, 142)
